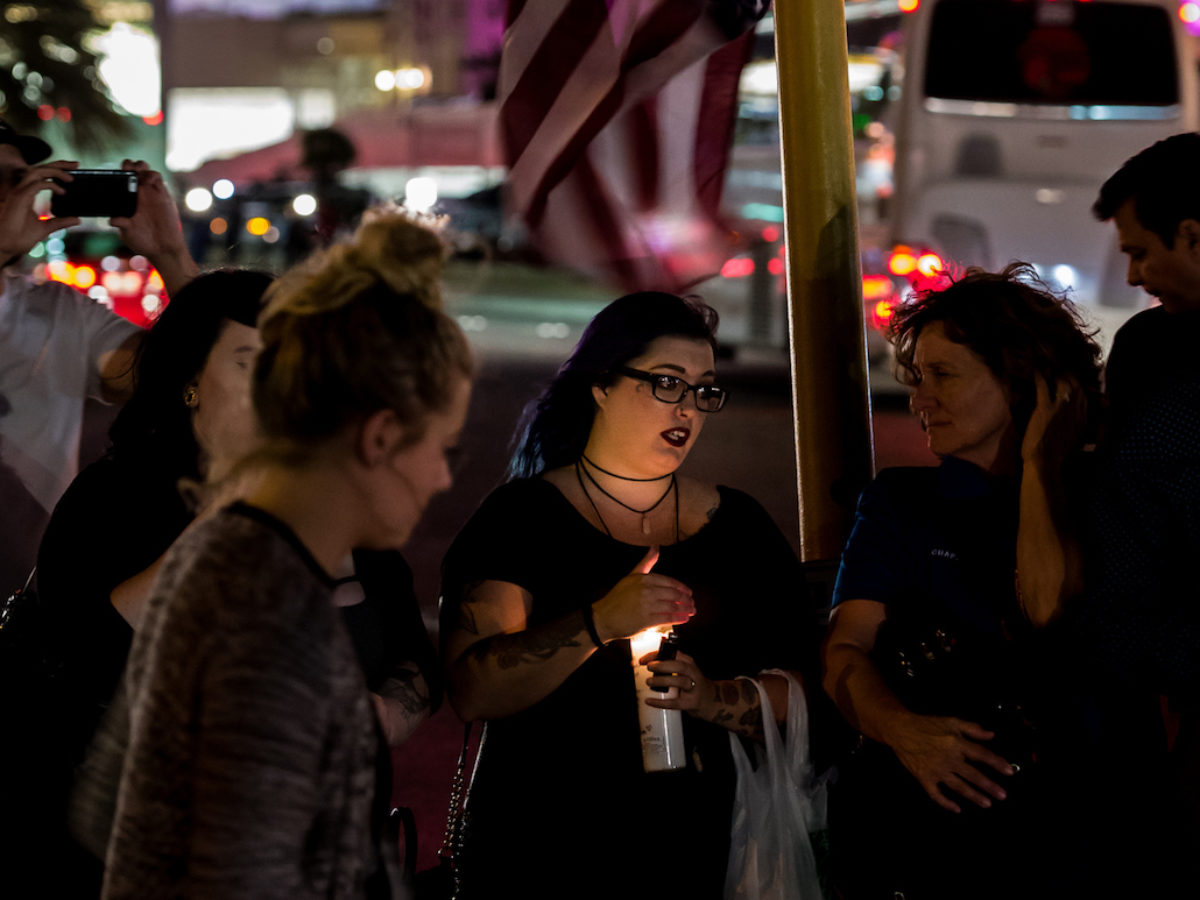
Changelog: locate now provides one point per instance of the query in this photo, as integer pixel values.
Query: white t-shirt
(51, 341)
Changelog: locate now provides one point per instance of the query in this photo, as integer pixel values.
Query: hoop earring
(191, 397)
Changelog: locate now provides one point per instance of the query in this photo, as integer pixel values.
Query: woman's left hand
(682, 673)
(1056, 426)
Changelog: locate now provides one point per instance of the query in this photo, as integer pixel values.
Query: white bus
(1012, 114)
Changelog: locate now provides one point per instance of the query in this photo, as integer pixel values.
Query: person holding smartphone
(58, 346)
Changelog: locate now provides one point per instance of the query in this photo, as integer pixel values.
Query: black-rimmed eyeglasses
(672, 389)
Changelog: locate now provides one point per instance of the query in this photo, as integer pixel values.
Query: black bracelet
(589, 622)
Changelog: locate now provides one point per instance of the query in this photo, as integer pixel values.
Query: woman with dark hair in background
(188, 420)
(598, 536)
(108, 533)
(963, 786)
(249, 755)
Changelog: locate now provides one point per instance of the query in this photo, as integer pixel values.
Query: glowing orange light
(884, 310)
(64, 114)
(908, 6)
(930, 264)
(258, 226)
(770, 234)
(775, 266)
(737, 268)
(218, 226)
(59, 270)
(154, 282)
(83, 277)
(902, 262)
(155, 119)
(1189, 13)
(876, 287)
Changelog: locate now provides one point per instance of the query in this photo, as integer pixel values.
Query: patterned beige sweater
(244, 737)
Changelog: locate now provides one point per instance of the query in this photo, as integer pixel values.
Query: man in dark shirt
(1142, 613)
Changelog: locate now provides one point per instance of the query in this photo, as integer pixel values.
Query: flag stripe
(571, 35)
(617, 118)
(711, 154)
(599, 86)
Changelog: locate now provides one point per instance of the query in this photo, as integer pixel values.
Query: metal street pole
(834, 451)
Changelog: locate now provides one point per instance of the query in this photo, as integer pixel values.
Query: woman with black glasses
(596, 537)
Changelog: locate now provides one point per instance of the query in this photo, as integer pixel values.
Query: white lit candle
(662, 729)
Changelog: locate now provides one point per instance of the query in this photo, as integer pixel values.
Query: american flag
(616, 120)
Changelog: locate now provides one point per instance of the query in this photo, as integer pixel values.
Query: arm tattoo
(533, 646)
(407, 687)
(749, 692)
(752, 722)
(738, 708)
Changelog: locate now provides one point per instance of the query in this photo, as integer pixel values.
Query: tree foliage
(44, 62)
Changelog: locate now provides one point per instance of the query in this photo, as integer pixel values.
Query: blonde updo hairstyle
(357, 329)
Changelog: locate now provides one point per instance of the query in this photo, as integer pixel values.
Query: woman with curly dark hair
(931, 654)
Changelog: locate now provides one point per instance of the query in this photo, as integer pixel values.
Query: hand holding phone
(97, 192)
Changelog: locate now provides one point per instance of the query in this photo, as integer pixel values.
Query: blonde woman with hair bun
(252, 748)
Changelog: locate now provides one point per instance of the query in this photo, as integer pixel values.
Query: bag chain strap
(455, 835)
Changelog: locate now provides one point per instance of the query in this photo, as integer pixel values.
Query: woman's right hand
(943, 751)
(641, 600)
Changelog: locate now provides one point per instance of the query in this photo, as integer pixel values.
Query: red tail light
(930, 264)
(59, 270)
(739, 267)
(876, 287)
(882, 313)
(83, 277)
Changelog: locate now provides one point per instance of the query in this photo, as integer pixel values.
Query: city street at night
(312, 311)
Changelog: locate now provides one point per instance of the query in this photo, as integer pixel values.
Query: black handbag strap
(459, 787)
(9, 608)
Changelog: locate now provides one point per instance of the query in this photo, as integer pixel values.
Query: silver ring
(692, 686)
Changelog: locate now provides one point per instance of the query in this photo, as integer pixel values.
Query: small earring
(191, 397)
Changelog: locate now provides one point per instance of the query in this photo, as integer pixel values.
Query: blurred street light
(198, 199)
(420, 194)
(406, 79)
(304, 204)
(410, 79)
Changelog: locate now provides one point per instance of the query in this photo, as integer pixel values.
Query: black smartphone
(97, 192)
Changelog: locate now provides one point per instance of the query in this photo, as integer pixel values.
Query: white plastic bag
(775, 809)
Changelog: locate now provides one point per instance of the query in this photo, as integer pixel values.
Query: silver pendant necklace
(644, 513)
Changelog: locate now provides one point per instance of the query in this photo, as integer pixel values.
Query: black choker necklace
(589, 461)
(644, 513)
